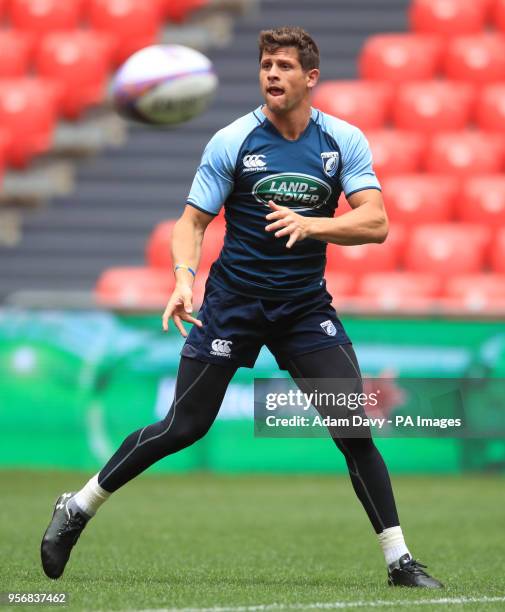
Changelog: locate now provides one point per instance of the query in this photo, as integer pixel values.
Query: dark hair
(291, 36)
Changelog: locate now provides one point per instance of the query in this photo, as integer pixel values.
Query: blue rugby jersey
(248, 163)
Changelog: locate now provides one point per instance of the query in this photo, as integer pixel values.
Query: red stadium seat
(477, 292)
(489, 6)
(179, 10)
(363, 258)
(340, 284)
(83, 7)
(498, 252)
(420, 198)
(80, 62)
(38, 17)
(396, 152)
(158, 254)
(28, 114)
(4, 144)
(446, 249)
(15, 50)
(174, 10)
(448, 17)
(342, 206)
(499, 14)
(134, 287)
(483, 200)
(199, 290)
(365, 104)
(433, 106)
(400, 57)
(212, 244)
(392, 290)
(465, 153)
(134, 24)
(480, 59)
(491, 108)
(158, 250)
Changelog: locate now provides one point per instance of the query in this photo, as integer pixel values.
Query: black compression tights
(200, 389)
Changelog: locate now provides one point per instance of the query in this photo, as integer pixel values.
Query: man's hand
(287, 222)
(179, 308)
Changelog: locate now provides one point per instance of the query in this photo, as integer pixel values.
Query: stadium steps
(130, 170)
(45, 179)
(350, 20)
(10, 228)
(53, 242)
(90, 135)
(62, 217)
(53, 174)
(122, 194)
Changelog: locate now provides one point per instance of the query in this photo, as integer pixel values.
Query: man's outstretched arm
(187, 238)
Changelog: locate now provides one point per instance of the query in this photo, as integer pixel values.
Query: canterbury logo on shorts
(221, 348)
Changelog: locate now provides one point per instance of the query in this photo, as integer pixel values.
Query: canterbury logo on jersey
(221, 348)
(254, 162)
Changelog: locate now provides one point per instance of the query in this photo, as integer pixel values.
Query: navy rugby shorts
(235, 327)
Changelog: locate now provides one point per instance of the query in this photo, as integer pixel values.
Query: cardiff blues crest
(330, 162)
(329, 328)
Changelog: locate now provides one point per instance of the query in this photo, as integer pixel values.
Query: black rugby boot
(60, 537)
(410, 573)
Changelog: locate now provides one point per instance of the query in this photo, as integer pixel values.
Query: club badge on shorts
(329, 328)
(330, 162)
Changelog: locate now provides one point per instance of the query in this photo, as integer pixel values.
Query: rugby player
(278, 171)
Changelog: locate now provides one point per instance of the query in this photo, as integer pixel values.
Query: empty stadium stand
(122, 195)
(366, 104)
(413, 199)
(424, 79)
(400, 57)
(439, 151)
(448, 17)
(80, 63)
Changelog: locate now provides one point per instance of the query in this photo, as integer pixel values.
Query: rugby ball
(164, 85)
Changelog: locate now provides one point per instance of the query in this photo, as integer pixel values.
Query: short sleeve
(357, 171)
(213, 180)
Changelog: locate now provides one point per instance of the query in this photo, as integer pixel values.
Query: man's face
(284, 83)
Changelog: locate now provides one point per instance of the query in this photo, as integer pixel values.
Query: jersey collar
(263, 118)
(259, 112)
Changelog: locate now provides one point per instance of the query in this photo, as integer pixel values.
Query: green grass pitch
(206, 541)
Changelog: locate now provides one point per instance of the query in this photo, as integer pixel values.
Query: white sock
(91, 496)
(393, 545)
